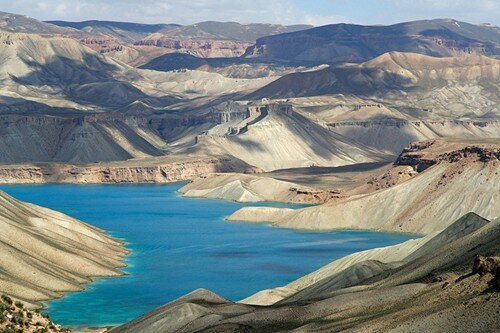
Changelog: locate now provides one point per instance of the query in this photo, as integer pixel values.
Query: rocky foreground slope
(14, 317)
(44, 254)
(439, 286)
(432, 183)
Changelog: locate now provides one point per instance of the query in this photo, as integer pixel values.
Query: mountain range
(386, 128)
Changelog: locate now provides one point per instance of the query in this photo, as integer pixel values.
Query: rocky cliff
(134, 171)
(200, 48)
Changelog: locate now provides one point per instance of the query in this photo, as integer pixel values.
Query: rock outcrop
(200, 48)
(14, 317)
(463, 177)
(135, 171)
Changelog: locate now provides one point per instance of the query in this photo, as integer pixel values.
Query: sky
(314, 12)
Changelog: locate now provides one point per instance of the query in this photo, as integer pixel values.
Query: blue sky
(315, 12)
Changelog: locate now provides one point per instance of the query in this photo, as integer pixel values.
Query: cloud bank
(315, 12)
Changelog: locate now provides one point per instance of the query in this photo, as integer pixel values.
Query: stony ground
(14, 318)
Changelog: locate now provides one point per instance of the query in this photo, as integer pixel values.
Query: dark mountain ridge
(356, 43)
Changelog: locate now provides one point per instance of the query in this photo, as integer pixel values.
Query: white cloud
(157, 11)
(315, 12)
(466, 10)
(318, 20)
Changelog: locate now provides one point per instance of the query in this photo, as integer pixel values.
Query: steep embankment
(77, 139)
(159, 170)
(354, 268)
(252, 188)
(280, 141)
(451, 179)
(432, 287)
(44, 254)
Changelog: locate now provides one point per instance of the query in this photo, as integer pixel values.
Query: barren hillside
(445, 180)
(44, 254)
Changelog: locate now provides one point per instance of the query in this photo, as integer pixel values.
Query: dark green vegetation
(15, 318)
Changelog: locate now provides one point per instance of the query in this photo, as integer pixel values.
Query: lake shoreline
(161, 228)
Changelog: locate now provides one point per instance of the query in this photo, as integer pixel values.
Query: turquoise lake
(180, 244)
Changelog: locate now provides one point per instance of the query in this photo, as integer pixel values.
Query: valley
(283, 178)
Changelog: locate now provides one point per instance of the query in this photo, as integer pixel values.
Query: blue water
(179, 245)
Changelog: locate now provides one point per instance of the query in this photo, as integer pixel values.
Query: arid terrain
(386, 128)
(434, 284)
(45, 254)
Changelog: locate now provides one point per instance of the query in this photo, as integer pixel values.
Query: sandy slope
(459, 182)
(281, 141)
(447, 86)
(252, 188)
(44, 254)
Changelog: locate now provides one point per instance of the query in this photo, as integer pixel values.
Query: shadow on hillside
(88, 81)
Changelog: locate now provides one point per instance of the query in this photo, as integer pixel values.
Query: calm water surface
(180, 244)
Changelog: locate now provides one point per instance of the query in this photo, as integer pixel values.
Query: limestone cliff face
(201, 48)
(120, 173)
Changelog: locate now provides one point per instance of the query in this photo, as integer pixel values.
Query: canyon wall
(130, 172)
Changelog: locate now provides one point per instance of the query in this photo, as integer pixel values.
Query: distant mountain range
(107, 99)
(204, 39)
(209, 30)
(124, 31)
(145, 44)
(356, 43)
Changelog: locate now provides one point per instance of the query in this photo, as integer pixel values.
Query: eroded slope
(44, 254)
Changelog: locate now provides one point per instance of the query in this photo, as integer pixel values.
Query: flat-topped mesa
(202, 48)
(275, 106)
(227, 112)
(422, 155)
(231, 111)
(233, 118)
